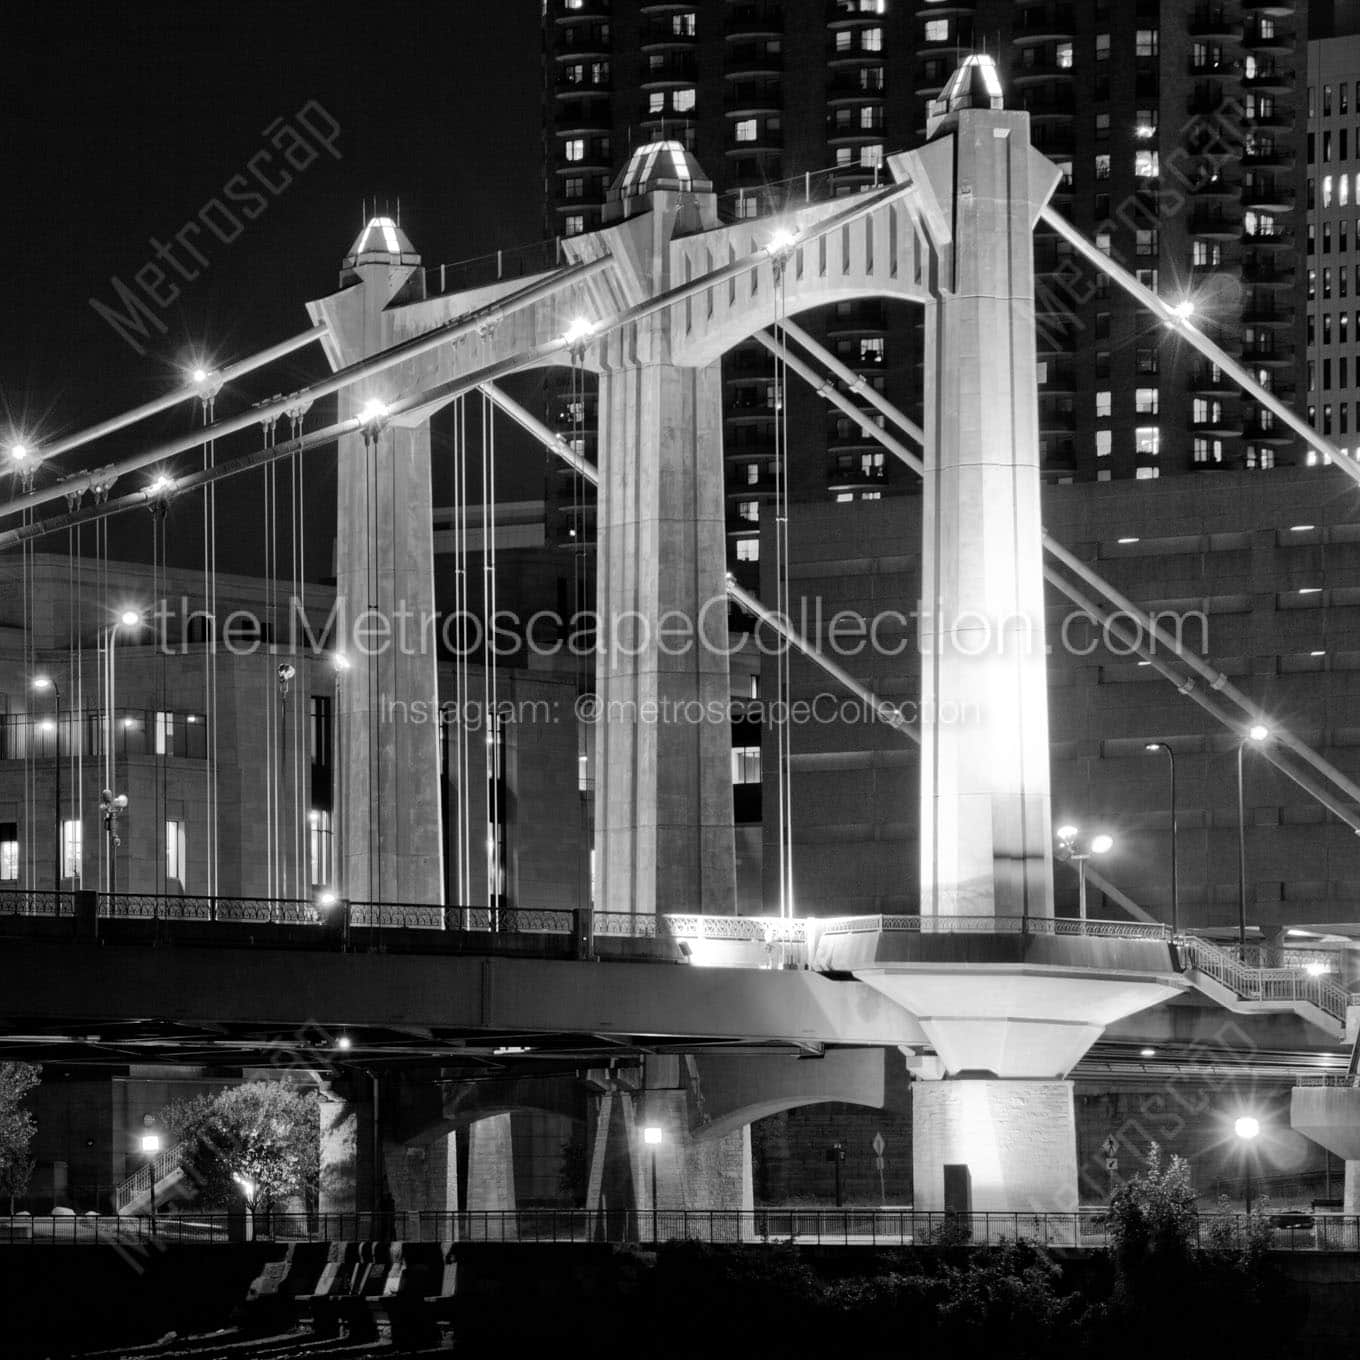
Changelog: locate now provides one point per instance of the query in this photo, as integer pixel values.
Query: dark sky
(119, 121)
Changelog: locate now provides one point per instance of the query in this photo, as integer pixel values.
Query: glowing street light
(781, 242)
(580, 330)
(130, 618)
(1247, 1127)
(1077, 850)
(151, 1146)
(1183, 310)
(18, 452)
(652, 1136)
(344, 1043)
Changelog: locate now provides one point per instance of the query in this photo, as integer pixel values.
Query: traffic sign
(878, 1145)
(1111, 1163)
(1110, 1147)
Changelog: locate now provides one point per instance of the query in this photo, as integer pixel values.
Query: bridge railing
(995, 925)
(1251, 982)
(1088, 1228)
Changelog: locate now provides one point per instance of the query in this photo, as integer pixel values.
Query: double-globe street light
(1077, 849)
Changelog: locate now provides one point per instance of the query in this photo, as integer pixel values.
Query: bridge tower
(389, 845)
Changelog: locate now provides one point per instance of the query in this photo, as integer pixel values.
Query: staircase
(1247, 989)
(133, 1196)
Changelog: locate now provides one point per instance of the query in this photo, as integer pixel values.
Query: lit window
(746, 130)
(1208, 451)
(1207, 254)
(1145, 42)
(749, 511)
(573, 187)
(1064, 56)
(682, 25)
(1103, 401)
(746, 764)
(682, 101)
(1146, 164)
(319, 845)
(937, 30)
(1343, 193)
(1102, 47)
(1146, 241)
(1145, 401)
(872, 350)
(1146, 474)
(843, 40)
(1103, 242)
(656, 101)
(71, 839)
(573, 224)
(871, 464)
(574, 149)
(871, 156)
(1103, 166)
(1326, 191)
(1104, 441)
(748, 550)
(1148, 278)
(174, 852)
(873, 39)
(1148, 440)
(868, 118)
(165, 734)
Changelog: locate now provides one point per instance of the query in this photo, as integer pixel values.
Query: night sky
(121, 121)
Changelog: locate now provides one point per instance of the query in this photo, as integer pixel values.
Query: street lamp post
(110, 804)
(1256, 734)
(1160, 746)
(151, 1146)
(1077, 849)
(41, 683)
(651, 1135)
(1247, 1128)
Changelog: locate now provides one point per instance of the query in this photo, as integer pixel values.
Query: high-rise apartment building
(1333, 288)
(1180, 128)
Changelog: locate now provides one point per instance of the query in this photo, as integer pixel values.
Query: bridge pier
(345, 1181)
(491, 1179)
(634, 1184)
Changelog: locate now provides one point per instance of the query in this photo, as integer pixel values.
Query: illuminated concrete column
(346, 1152)
(389, 845)
(1016, 1139)
(663, 786)
(985, 837)
(1330, 1116)
(491, 1179)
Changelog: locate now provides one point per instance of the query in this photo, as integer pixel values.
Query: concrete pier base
(346, 1170)
(491, 1180)
(1016, 1139)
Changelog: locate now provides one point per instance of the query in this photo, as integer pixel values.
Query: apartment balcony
(1059, 381)
(1211, 21)
(1061, 422)
(1267, 194)
(765, 140)
(566, 87)
(753, 97)
(1213, 224)
(1268, 357)
(1206, 383)
(1043, 22)
(1217, 187)
(582, 40)
(1278, 43)
(669, 68)
(1274, 316)
(586, 12)
(1275, 81)
(1281, 158)
(759, 20)
(849, 85)
(1268, 434)
(855, 477)
(1270, 9)
(1223, 425)
(844, 13)
(1264, 273)
(1278, 238)
(753, 60)
(1040, 71)
(1278, 120)
(587, 115)
(1221, 69)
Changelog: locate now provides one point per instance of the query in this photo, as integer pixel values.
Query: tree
(1152, 1215)
(17, 1127)
(258, 1142)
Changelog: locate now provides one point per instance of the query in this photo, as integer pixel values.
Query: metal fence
(1087, 1228)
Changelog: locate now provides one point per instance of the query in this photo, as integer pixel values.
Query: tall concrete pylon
(1009, 1009)
(390, 847)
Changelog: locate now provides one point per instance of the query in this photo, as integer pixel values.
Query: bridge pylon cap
(657, 167)
(975, 85)
(381, 241)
